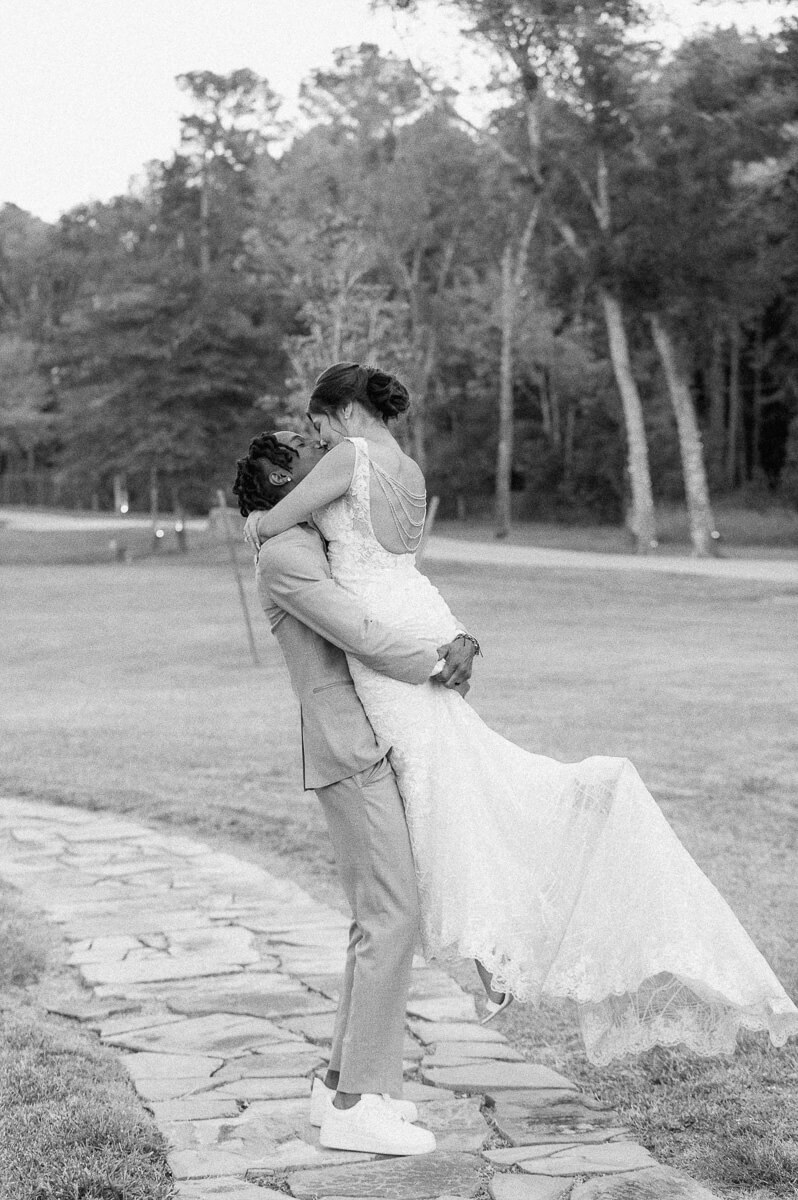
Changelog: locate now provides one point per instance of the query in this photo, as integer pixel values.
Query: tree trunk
(716, 386)
(733, 427)
(205, 239)
(513, 268)
(756, 430)
(568, 449)
(695, 476)
(504, 451)
(421, 400)
(643, 520)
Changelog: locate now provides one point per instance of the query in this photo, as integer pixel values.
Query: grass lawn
(71, 1125)
(128, 687)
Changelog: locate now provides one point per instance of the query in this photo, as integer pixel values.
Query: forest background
(592, 295)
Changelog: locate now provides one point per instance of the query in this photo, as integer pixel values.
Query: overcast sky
(87, 86)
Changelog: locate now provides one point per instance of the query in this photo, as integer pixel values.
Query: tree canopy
(159, 331)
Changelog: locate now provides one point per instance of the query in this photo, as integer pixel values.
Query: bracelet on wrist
(470, 638)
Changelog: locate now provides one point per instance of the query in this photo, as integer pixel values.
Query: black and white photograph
(399, 583)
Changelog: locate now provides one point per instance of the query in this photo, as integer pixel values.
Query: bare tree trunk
(504, 451)
(568, 448)
(716, 386)
(545, 403)
(695, 476)
(556, 416)
(513, 268)
(643, 521)
(756, 432)
(419, 411)
(205, 240)
(733, 427)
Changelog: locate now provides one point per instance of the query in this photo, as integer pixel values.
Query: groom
(315, 622)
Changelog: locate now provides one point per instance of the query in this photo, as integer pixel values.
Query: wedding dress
(564, 879)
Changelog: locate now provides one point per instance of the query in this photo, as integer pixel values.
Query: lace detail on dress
(564, 879)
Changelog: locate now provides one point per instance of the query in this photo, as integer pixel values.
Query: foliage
(152, 335)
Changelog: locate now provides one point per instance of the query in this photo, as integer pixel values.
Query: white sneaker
(374, 1127)
(321, 1096)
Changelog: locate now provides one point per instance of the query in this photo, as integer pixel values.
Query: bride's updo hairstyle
(382, 394)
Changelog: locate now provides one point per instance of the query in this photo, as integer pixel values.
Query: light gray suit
(315, 622)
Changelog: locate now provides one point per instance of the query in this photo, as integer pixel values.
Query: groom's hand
(458, 659)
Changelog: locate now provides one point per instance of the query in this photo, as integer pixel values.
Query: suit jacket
(317, 623)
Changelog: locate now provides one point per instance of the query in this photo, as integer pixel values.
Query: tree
(570, 50)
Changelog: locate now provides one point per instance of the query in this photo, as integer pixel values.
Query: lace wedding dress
(564, 879)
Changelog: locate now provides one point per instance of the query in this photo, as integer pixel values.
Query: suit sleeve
(295, 577)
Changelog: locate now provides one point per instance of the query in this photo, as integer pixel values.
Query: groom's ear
(279, 477)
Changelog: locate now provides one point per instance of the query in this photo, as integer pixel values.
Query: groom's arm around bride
(316, 624)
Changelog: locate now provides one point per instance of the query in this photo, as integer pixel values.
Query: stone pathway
(217, 983)
(764, 570)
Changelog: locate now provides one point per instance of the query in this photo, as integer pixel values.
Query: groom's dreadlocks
(252, 485)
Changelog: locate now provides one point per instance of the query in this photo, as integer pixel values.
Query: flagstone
(303, 961)
(574, 1158)
(312, 935)
(454, 1054)
(218, 972)
(230, 943)
(234, 982)
(433, 1032)
(135, 921)
(277, 1088)
(553, 1123)
(327, 983)
(155, 941)
(85, 1010)
(216, 1033)
(457, 1124)
(274, 919)
(225, 1187)
(428, 983)
(494, 1076)
(265, 1066)
(158, 967)
(423, 1093)
(414, 1178)
(103, 831)
(271, 1136)
(251, 1000)
(134, 1021)
(198, 1164)
(265, 1144)
(444, 1008)
(165, 1066)
(194, 1108)
(529, 1187)
(656, 1183)
(103, 949)
(177, 1088)
(318, 1028)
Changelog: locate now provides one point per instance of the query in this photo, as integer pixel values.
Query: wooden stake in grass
(228, 537)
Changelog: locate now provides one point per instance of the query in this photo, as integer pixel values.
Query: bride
(562, 880)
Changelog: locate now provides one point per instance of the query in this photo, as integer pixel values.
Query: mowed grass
(71, 1125)
(130, 688)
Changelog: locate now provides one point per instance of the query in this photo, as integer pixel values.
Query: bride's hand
(458, 656)
(251, 534)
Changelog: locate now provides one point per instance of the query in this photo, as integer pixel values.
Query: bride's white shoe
(495, 1007)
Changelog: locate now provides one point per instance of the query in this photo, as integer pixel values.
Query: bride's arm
(328, 480)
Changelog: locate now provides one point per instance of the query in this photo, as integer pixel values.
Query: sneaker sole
(369, 1146)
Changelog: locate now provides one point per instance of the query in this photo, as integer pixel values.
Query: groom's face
(307, 452)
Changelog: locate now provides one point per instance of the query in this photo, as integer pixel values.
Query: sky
(87, 89)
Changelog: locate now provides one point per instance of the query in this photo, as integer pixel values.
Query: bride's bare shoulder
(413, 473)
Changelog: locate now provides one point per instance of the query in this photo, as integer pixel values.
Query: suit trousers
(366, 819)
